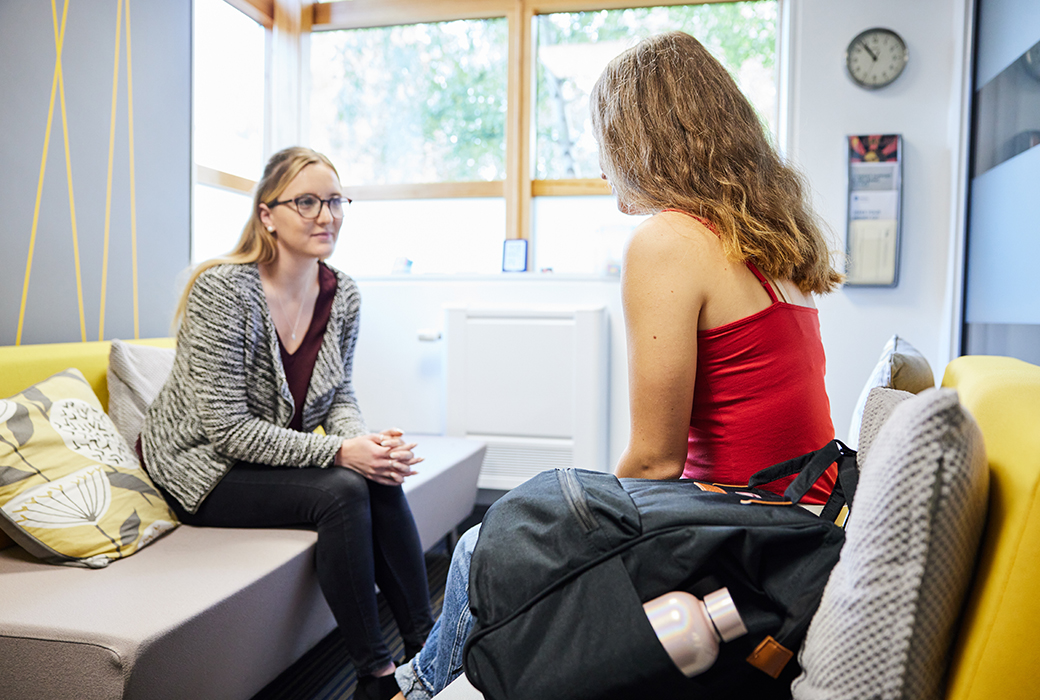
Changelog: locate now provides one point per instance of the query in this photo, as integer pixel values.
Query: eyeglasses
(309, 205)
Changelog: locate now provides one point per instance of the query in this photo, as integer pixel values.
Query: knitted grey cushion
(880, 404)
(886, 622)
(136, 373)
(901, 366)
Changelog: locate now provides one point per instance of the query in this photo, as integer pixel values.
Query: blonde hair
(674, 131)
(257, 244)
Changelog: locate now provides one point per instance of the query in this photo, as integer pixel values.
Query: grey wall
(161, 64)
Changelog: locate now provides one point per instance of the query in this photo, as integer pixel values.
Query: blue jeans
(440, 661)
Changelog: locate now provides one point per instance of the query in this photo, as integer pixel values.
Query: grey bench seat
(202, 613)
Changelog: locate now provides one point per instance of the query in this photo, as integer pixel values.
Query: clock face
(876, 57)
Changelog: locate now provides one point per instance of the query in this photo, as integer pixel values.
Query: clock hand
(867, 49)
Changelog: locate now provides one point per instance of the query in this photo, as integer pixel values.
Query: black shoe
(376, 688)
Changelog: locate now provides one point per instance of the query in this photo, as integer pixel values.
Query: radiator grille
(509, 465)
(531, 383)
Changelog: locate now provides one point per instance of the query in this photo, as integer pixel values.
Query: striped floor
(325, 673)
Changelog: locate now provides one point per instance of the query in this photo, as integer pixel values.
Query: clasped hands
(382, 457)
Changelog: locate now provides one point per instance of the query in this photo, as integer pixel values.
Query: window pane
(1007, 112)
(228, 129)
(573, 49)
(218, 216)
(436, 235)
(581, 234)
(415, 103)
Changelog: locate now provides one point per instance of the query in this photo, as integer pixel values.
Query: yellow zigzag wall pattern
(58, 87)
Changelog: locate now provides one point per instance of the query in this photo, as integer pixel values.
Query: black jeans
(366, 535)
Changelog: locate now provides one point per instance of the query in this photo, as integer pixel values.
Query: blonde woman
(264, 352)
(726, 363)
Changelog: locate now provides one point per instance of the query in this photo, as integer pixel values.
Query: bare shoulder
(671, 242)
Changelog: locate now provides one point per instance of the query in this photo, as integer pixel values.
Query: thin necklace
(299, 313)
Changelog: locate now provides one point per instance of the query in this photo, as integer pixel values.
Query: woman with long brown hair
(264, 356)
(726, 363)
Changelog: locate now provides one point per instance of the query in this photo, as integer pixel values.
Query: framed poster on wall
(875, 193)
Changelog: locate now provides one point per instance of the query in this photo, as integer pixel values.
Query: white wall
(925, 106)
(400, 379)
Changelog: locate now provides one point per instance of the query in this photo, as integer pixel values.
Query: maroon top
(300, 365)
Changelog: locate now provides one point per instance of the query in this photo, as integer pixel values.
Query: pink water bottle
(690, 629)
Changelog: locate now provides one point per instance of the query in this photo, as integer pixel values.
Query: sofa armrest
(993, 657)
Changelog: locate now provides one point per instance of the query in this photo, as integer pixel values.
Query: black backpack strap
(781, 470)
(809, 468)
(845, 488)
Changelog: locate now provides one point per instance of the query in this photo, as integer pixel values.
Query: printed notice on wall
(875, 174)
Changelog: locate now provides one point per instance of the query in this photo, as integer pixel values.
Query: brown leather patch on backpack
(770, 657)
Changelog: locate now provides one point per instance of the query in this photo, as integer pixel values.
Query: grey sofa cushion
(886, 622)
(136, 373)
(202, 613)
(880, 404)
(901, 366)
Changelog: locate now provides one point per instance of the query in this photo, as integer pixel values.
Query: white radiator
(532, 383)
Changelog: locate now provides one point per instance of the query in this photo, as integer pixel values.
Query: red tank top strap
(761, 278)
(750, 265)
(707, 224)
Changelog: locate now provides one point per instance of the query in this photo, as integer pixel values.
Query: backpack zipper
(574, 494)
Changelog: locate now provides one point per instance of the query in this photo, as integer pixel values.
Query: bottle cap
(724, 615)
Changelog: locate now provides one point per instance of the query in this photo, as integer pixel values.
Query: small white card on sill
(514, 255)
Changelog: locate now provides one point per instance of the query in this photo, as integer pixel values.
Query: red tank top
(759, 397)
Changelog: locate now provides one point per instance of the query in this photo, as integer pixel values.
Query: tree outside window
(414, 103)
(574, 47)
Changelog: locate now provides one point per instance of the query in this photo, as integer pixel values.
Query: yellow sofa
(200, 613)
(995, 655)
(24, 365)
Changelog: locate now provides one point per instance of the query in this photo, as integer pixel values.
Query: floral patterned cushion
(71, 489)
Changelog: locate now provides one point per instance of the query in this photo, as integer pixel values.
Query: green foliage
(427, 102)
(742, 35)
(416, 103)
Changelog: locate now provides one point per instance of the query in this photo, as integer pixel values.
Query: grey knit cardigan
(227, 398)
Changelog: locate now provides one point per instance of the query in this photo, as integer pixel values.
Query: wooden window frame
(263, 12)
(518, 188)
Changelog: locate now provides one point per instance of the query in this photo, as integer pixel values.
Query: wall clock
(876, 57)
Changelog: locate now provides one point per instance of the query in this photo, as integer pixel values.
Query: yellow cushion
(24, 365)
(71, 489)
(995, 656)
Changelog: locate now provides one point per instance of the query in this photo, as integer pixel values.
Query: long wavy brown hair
(257, 244)
(675, 132)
